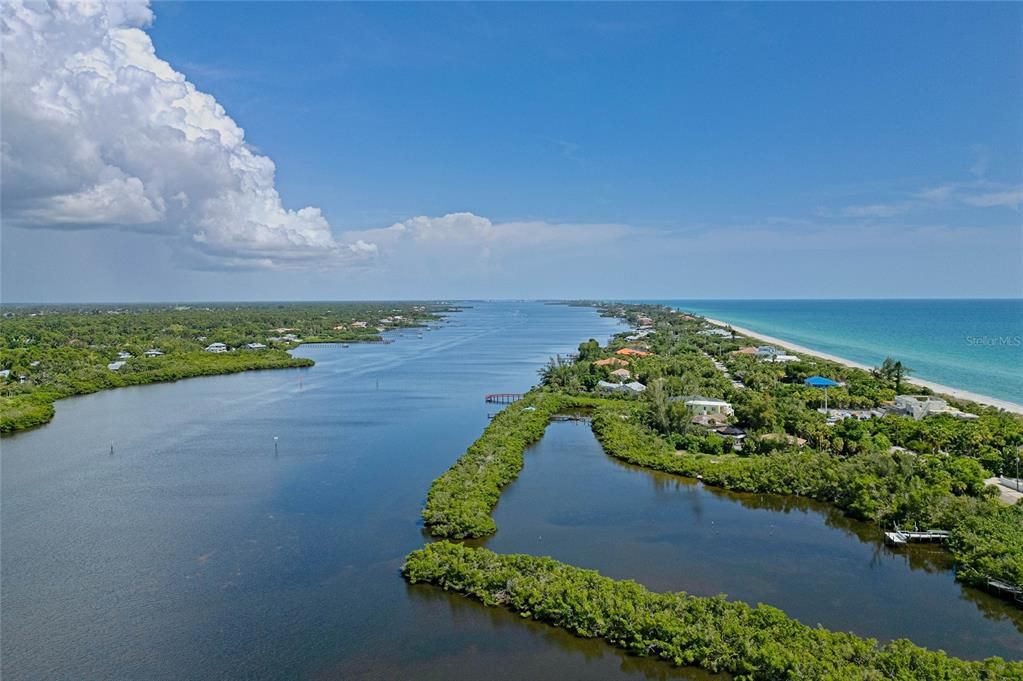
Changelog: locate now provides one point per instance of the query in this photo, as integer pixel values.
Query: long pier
(502, 398)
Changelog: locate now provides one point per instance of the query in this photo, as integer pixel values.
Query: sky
(302, 151)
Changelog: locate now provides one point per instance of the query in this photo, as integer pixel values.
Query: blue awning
(821, 382)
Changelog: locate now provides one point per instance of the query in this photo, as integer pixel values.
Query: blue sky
(602, 150)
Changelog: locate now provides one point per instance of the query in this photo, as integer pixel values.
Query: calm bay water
(970, 344)
(194, 551)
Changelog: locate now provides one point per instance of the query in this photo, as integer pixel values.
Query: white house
(767, 351)
(634, 387)
(123, 355)
(216, 347)
(704, 406)
(153, 352)
(255, 346)
(715, 332)
(114, 366)
(5, 373)
(782, 358)
(919, 406)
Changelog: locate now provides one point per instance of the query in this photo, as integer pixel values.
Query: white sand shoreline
(936, 387)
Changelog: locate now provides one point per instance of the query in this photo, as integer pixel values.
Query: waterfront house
(623, 374)
(611, 361)
(715, 332)
(152, 352)
(632, 352)
(114, 366)
(781, 358)
(748, 350)
(255, 346)
(919, 406)
(767, 351)
(216, 347)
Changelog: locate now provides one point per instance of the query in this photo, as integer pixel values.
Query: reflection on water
(196, 551)
(578, 505)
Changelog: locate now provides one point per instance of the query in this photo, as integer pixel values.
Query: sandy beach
(955, 393)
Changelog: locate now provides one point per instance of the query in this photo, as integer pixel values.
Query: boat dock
(899, 537)
(502, 398)
(1008, 590)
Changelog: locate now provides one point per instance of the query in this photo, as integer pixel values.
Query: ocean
(974, 345)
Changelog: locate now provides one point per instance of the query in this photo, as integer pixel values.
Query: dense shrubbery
(929, 491)
(752, 643)
(460, 501)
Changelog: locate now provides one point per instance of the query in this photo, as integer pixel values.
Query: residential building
(704, 406)
(216, 347)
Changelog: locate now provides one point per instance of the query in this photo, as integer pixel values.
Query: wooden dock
(502, 398)
(899, 537)
(1008, 590)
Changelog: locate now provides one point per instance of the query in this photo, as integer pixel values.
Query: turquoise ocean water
(974, 345)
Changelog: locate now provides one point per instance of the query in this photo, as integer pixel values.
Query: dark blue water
(580, 506)
(196, 551)
(975, 345)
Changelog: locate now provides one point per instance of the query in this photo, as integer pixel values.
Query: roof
(632, 352)
(622, 372)
(616, 361)
(821, 382)
(700, 399)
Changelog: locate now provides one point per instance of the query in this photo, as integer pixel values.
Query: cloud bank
(99, 132)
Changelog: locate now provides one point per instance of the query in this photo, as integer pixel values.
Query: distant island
(54, 351)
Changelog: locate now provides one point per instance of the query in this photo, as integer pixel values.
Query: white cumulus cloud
(101, 132)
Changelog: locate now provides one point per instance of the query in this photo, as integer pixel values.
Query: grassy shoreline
(32, 410)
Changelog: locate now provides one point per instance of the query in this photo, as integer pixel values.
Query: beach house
(632, 352)
(611, 361)
(216, 347)
(919, 406)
